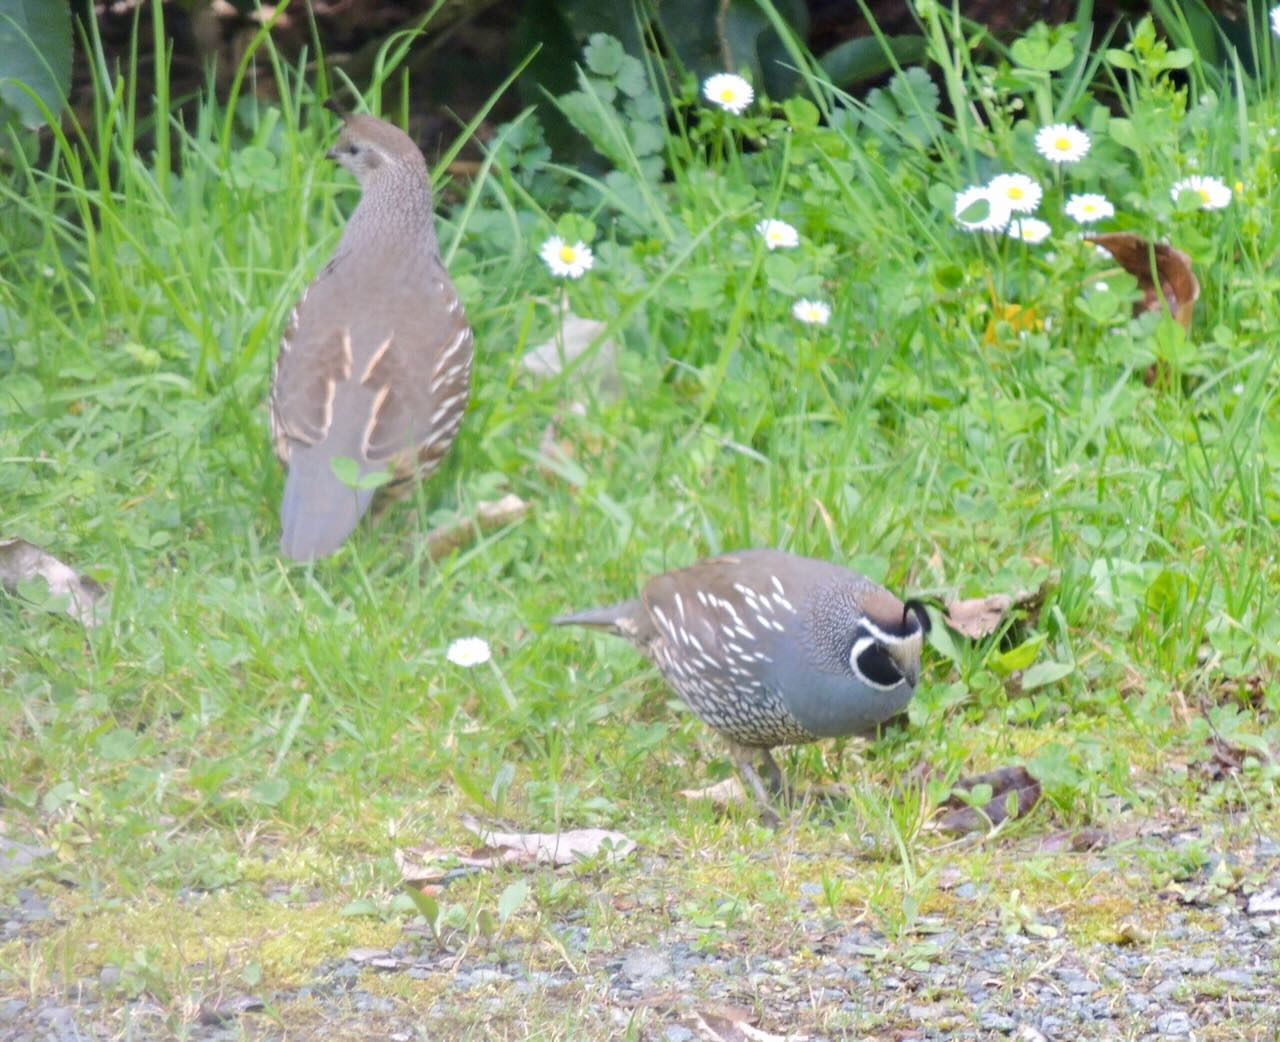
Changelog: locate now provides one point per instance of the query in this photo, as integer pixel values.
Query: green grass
(239, 725)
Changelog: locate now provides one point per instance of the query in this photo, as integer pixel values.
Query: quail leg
(743, 759)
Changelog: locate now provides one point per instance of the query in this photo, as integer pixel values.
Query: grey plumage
(375, 361)
(770, 648)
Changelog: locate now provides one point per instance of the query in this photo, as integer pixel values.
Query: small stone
(1175, 1022)
(1265, 902)
(1233, 976)
(10, 1008)
(644, 964)
(15, 856)
(1081, 986)
(108, 976)
(990, 1020)
(678, 1033)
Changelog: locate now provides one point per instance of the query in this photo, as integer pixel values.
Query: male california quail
(770, 648)
(375, 362)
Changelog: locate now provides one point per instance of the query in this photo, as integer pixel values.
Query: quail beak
(332, 154)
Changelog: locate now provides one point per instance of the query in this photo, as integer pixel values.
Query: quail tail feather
(317, 511)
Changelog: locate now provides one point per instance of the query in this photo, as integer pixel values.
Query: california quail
(769, 648)
(375, 362)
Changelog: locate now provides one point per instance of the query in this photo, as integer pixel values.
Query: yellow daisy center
(1016, 192)
(728, 94)
(568, 254)
(1062, 144)
(1204, 194)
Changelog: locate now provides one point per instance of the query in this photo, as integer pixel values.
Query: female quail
(375, 362)
(769, 648)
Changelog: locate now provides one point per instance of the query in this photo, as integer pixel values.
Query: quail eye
(876, 665)
(351, 150)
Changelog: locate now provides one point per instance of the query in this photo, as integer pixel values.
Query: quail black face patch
(877, 665)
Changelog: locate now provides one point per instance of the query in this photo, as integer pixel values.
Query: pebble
(678, 1033)
(645, 964)
(1174, 1022)
(991, 1020)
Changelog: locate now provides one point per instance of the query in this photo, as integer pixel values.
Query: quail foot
(375, 361)
(769, 648)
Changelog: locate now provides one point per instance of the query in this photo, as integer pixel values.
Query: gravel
(1212, 957)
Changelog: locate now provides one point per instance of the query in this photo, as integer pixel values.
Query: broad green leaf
(1045, 673)
(512, 898)
(35, 55)
(1007, 662)
(270, 791)
(603, 54)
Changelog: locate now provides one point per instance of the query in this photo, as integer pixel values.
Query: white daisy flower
(1087, 207)
(1062, 143)
(778, 235)
(1020, 193)
(974, 217)
(1029, 229)
(566, 261)
(1213, 192)
(468, 652)
(1275, 20)
(812, 312)
(732, 93)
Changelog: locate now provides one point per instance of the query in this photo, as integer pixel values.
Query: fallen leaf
(732, 1024)
(489, 514)
(225, 1008)
(422, 867)
(553, 848)
(1003, 781)
(1077, 841)
(1225, 758)
(22, 563)
(724, 793)
(575, 339)
(980, 616)
(1178, 287)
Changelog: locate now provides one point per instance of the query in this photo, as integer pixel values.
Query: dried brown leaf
(489, 514)
(724, 793)
(554, 848)
(23, 562)
(979, 617)
(965, 818)
(575, 339)
(722, 1023)
(1178, 288)
(1077, 841)
(424, 867)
